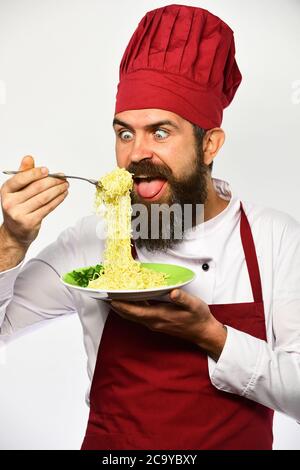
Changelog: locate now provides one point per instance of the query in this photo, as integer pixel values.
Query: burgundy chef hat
(180, 59)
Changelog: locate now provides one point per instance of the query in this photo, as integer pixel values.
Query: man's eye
(161, 134)
(126, 135)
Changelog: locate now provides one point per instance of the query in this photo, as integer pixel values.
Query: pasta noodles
(119, 270)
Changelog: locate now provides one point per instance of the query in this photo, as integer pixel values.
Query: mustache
(145, 168)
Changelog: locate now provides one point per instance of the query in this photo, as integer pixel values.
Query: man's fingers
(184, 299)
(19, 181)
(40, 213)
(43, 198)
(37, 189)
(139, 310)
(27, 163)
(178, 296)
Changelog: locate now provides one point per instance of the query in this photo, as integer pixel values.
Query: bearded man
(205, 367)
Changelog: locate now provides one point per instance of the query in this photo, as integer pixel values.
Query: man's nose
(141, 150)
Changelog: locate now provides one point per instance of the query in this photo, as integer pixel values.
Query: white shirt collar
(206, 228)
(189, 246)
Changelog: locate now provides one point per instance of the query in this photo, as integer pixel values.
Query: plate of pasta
(119, 275)
(160, 277)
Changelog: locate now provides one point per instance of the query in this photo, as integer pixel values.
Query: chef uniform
(153, 392)
(261, 372)
(150, 390)
(147, 385)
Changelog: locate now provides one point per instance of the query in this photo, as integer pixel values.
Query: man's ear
(212, 142)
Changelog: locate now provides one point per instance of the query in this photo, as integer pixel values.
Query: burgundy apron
(153, 391)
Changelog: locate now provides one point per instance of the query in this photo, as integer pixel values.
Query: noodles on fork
(119, 270)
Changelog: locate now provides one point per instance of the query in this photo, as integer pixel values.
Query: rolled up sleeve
(250, 367)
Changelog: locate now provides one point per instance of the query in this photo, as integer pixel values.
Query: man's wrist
(11, 251)
(213, 339)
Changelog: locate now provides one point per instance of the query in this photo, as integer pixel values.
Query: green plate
(178, 276)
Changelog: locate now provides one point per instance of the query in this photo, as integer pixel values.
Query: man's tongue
(150, 188)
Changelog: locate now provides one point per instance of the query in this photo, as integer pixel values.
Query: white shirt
(268, 373)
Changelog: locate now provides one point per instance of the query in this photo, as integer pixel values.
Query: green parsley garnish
(83, 277)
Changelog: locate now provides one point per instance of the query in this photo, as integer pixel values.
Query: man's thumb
(27, 163)
(178, 296)
(185, 300)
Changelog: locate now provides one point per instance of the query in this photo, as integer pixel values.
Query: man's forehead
(145, 117)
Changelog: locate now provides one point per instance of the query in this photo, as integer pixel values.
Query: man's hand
(26, 199)
(187, 317)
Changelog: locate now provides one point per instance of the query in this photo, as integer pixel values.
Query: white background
(58, 75)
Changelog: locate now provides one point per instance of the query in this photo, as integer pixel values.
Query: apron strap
(251, 257)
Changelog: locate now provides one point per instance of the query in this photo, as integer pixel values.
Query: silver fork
(60, 176)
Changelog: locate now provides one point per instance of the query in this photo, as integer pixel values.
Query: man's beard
(191, 190)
